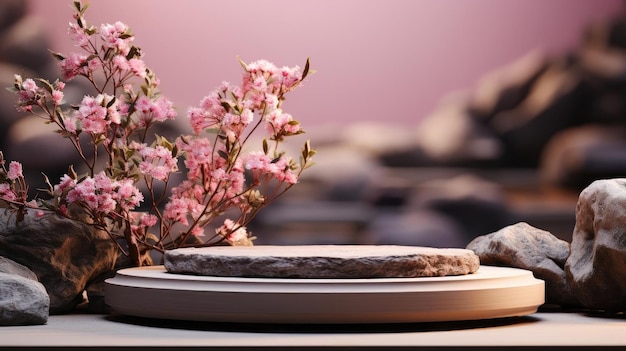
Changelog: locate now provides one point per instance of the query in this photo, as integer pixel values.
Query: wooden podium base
(491, 292)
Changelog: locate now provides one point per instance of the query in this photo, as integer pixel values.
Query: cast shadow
(321, 328)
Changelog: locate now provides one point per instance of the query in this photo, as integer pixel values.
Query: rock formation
(321, 261)
(23, 300)
(596, 267)
(65, 255)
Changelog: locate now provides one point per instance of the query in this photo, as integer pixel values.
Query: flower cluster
(221, 176)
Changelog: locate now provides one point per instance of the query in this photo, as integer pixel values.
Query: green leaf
(226, 106)
(223, 154)
(57, 55)
(46, 84)
(111, 102)
(71, 172)
(265, 146)
(243, 64)
(307, 66)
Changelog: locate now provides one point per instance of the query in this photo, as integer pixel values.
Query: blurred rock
(415, 227)
(450, 136)
(595, 268)
(575, 157)
(11, 11)
(475, 205)
(506, 87)
(551, 105)
(26, 44)
(523, 246)
(23, 300)
(66, 255)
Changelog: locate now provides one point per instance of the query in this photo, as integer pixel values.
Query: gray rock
(596, 267)
(23, 300)
(65, 255)
(321, 261)
(11, 267)
(523, 246)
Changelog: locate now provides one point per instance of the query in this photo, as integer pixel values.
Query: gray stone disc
(321, 261)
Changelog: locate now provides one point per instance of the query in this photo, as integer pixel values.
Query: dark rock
(451, 136)
(26, 44)
(415, 227)
(577, 156)
(321, 261)
(476, 205)
(65, 255)
(506, 87)
(23, 300)
(11, 11)
(523, 246)
(596, 267)
(551, 106)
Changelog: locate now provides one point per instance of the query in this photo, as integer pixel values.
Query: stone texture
(23, 300)
(65, 255)
(321, 261)
(11, 267)
(596, 267)
(523, 246)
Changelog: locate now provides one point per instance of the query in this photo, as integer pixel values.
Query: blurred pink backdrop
(376, 60)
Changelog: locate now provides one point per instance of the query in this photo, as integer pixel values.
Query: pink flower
(70, 123)
(128, 195)
(148, 220)
(78, 35)
(66, 183)
(280, 124)
(92, 115)
(29, 85)
(257, 160)
(6, 192)
(158, 110)
(157, 162)
(57, 97)
(116, 36)
(232, 231)
(15, 170)
(176, 210)
(73, 65)
(138, 67)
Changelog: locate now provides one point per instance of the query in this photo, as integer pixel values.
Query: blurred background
(435, 121)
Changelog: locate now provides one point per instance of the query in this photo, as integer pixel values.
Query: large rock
(321, 261)
(65, 255)
(596, 267)
(23, 300)
(523, 246)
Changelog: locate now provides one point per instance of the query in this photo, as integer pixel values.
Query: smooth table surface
(547, 330)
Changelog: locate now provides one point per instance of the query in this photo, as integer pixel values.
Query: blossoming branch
(221, 177)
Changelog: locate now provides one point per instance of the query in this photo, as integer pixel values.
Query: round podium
(491, 292)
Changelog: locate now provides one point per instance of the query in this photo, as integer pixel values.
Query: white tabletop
(547, 329)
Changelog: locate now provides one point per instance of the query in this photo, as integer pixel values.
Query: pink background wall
(376, 59)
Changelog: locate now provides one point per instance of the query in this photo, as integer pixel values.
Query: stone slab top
(321, 261)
